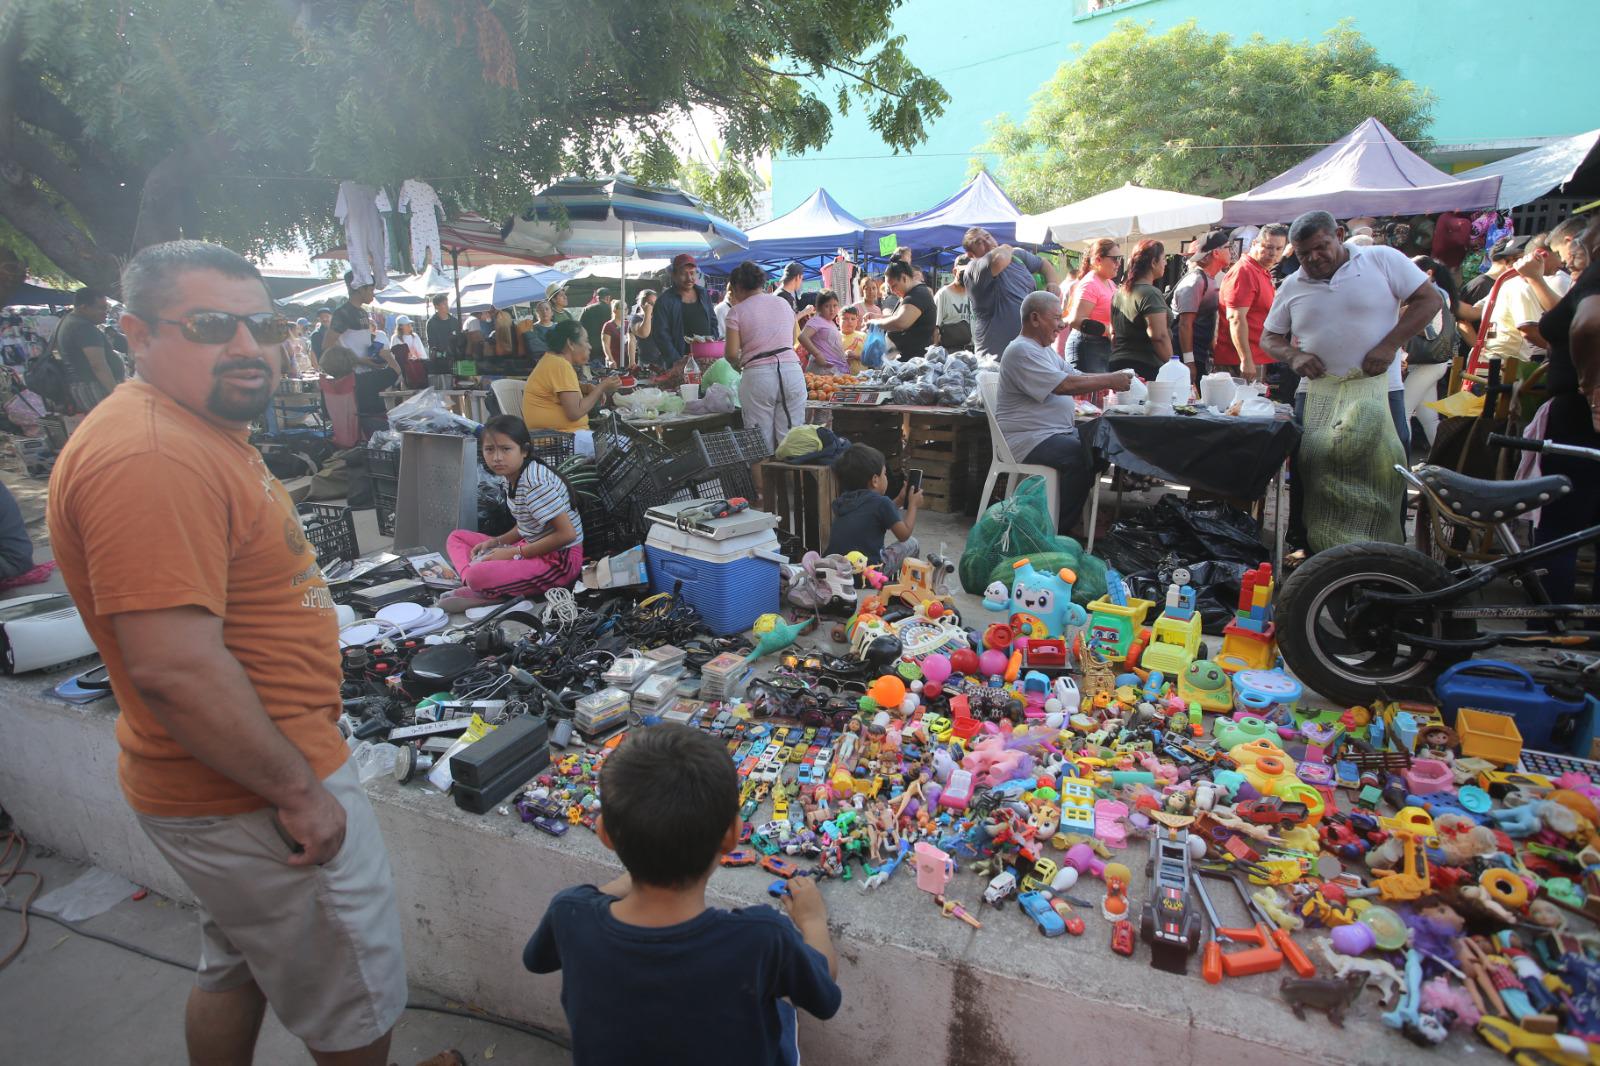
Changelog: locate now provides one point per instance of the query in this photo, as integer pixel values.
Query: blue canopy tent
(810, 235)
(935, 235)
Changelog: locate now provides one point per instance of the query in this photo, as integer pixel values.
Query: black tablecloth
(1234, 457)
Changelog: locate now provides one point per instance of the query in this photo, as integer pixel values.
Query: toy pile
(1046, 753)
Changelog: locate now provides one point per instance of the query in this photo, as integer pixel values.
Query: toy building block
(1245, 648)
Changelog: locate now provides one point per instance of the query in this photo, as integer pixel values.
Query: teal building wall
(1504, 74)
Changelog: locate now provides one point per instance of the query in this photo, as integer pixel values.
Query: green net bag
(1347, 456)
(1021, 526)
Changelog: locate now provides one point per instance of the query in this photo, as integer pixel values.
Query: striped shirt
(540, 496)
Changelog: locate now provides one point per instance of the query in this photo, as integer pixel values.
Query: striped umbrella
(600, 216)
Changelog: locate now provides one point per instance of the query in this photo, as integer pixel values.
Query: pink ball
(992, 662)
(936, 668)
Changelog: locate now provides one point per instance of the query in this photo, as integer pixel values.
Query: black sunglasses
(218, 327)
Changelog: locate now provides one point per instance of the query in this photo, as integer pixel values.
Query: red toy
(781, 867)
(1122, 938)
(739, 857)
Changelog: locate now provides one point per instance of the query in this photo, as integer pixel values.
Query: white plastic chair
(508, 394)
(1006, 463)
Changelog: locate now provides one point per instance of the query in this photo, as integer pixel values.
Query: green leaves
(1195, 111)
(487, 99)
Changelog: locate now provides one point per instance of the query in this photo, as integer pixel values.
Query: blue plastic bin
(1547, 722)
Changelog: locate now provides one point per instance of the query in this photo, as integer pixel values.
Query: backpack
(47, 375)
(1434, 345)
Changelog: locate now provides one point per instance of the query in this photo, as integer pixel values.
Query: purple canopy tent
(1366, 172)
(811, 234)
(979, 203)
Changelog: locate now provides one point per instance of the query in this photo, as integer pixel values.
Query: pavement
(64, 977)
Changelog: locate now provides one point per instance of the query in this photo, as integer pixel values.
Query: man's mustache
(241, 364)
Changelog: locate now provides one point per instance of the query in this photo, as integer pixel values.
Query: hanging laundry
(419, 198)
(394, 244)
(365, 243)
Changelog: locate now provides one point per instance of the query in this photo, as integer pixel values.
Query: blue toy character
(1040, 604)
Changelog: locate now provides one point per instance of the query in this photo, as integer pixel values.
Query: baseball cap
(683, 259)
(1212, 240)
(1508, 248)
(302, 322)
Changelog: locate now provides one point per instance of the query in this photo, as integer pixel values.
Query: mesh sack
(1021, 526)
(1347, 456)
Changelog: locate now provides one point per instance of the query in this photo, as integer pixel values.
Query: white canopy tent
(1526, 176)
(1125, 213)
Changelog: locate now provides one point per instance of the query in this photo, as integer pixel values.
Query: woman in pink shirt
(821, 337)
(760, 344)
(1087, 338)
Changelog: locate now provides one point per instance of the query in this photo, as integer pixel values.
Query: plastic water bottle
(1176, 374)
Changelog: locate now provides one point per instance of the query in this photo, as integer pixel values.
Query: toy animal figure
(1041, 604)
(996, 597)
(1334, 995)
(780, 636)
(1387, 978)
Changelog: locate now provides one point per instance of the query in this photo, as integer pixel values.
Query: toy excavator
(1414, 826)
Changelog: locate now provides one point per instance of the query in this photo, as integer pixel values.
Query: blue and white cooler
(725, 568)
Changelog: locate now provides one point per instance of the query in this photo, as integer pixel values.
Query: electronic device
(739, 524)
(42, 631)
(378, 596)
(914, 478)
(429, 729)
(435, 668)
(482, 761)
(482, 799)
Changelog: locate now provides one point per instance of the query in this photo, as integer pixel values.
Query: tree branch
(68, 247)
(863, 79)
(107, 207)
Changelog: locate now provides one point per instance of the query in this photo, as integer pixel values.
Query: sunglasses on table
(218, 327)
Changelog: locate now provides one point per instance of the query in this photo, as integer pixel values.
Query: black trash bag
(1211, 529)
(494, 517)
(1133, 548)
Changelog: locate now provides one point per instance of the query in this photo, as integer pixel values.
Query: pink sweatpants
(505, 578)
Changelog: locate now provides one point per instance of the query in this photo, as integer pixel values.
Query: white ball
(1065, 878)
(1197, 847)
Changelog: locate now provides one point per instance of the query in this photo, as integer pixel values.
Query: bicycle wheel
(1349, 651)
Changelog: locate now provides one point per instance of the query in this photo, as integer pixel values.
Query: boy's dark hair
(856, 468)
(148, 278)
(668, 795)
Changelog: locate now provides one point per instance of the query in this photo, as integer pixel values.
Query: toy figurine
(1114, 907)
(951, 909)
(777, 635)
(1040, 604)
(884, 872)
(1332, 994)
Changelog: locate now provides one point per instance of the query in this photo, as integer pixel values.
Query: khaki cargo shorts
(321, 942)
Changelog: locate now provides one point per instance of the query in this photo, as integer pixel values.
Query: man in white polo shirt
(1348, 308)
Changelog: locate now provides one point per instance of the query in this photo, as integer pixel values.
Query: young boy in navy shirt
(862, 513)
(650, 973)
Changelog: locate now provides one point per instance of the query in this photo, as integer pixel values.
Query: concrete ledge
(918, 988)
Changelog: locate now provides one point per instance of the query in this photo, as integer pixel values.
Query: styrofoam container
(730, 582)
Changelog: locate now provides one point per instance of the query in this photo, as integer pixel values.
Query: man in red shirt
(1246, 298)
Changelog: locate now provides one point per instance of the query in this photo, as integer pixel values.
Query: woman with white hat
(410, 352)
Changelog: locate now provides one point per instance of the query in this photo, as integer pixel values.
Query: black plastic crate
(331, 531)
(383, 462)
(550, 447)
(724, 447)
(384, 501)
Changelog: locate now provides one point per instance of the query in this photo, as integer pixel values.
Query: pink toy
(1427, 776)
(1440, 993)
(1108, 815)
(992, 663)
(1081, 857)
(958, 792)
(936, 668)
(934, 868)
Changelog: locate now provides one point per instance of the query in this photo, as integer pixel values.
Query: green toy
(1207, 684)
(779, 636)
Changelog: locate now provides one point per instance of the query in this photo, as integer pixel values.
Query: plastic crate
(331, 531)
(384, 502)
(725, 447)
(550, 447)
(383, 463)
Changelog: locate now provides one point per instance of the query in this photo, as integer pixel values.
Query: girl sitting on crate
(544, 550)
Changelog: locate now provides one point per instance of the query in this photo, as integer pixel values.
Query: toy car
(781, 867)
(1271, 810)
(1036, 906)
(1074, 925)
(1122, 938)
(1001, 888)
(740, 857)
(1168, 923)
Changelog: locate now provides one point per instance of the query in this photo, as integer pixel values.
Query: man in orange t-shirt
(1247, 293)
(186, 558)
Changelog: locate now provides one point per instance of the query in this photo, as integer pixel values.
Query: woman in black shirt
(1572, 330)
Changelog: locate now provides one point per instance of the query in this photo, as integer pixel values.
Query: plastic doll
(951, 909)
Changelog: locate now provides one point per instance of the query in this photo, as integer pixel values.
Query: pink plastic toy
(934, 868)
(1427, 776)
(958, 792)
(1108, 815)
(936, 668)
(1081, 857)
(992, 663)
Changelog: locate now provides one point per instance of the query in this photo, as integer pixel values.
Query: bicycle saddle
(1476, 498)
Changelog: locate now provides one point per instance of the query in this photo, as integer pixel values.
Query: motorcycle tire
(1318, 646)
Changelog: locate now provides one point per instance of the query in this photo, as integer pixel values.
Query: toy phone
(914, 479)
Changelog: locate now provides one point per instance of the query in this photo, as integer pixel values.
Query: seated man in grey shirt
(1034, 406)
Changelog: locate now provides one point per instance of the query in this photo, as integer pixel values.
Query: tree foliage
(125, 123)
(1151, 109)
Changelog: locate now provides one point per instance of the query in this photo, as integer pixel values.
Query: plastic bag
(1347, 456)
(494, 515)
(721, 373)
(875, 347)
(718, 400)
(426, 412)
(1020, 526)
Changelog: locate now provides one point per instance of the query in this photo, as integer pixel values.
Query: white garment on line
(365, 241)
(419, 198)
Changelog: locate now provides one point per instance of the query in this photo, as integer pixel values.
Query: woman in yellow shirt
(553, 397)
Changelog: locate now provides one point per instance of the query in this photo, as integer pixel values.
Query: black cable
(542, 1033)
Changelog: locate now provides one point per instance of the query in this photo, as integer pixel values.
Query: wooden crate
(947, 452)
